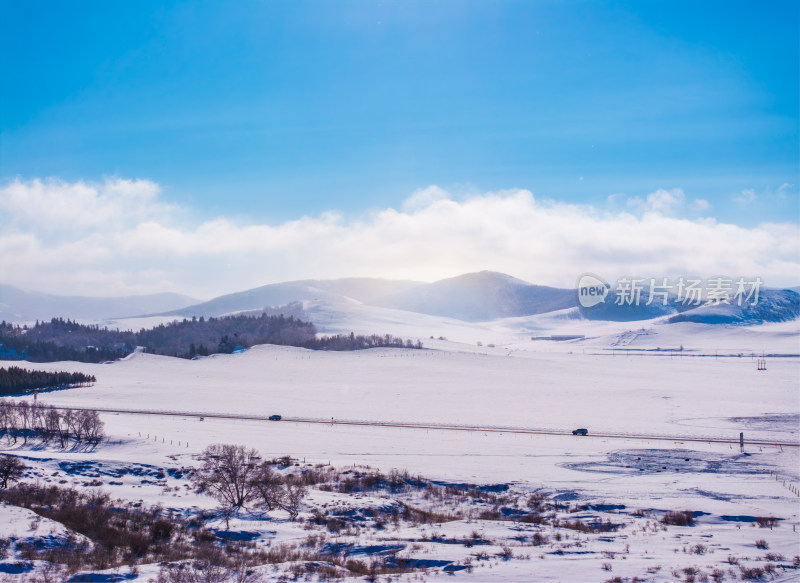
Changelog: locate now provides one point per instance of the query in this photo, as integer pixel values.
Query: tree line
(61, 339)
(15, 380)
(353, 342)
(24, 420)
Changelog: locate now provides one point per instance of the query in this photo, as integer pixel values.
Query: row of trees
(23, 420)
(62, 339)
(237, 477)
(353, 342)
(201, 336)
(15, 380)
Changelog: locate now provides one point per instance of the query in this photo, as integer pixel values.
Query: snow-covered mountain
(18, 305)
(474, 297)
(774, 305)
(362, 289)
(477, 297)
(471, 297)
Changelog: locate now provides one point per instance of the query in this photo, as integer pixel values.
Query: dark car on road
(580, 431)
(274, 417)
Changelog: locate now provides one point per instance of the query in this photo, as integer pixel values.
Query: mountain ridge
(471, 297)
(20, 305)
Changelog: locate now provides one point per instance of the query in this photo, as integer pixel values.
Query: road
(446, 427)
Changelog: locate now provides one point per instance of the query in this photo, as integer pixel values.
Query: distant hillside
(473, 297)
(476, 297)
(278, 294)
(773, 306)
(18, 305)
(611, 311)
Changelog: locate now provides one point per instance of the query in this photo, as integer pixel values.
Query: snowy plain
(613, 380)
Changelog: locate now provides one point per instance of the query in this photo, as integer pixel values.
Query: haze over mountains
(18, 305)
(472, 297)
(360, 289)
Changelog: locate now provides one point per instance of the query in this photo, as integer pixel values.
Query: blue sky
(287, 108)
(266, 112)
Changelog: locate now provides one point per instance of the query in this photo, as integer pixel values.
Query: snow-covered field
(706, 390)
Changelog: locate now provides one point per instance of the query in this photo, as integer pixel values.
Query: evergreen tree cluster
(353, 342)
(62, 339)
(15, 380)
(201, 336)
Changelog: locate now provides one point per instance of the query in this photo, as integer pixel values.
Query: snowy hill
(773, 306)
(476, 297)
(278, 294)
(471, 298)
(18, 305)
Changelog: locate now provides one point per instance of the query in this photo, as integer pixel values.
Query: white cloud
(108, 247)
(701, 204)
(748, 196)
(784, 190)
(424, 198)
(55, 205)
(665, 201)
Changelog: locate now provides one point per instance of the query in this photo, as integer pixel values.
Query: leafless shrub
(192, 572)
(761, 544)
(532, 518)
(538, 539)
(50, 573)
(766, 521)
(680, 518)
(751, 573)
(575, 525)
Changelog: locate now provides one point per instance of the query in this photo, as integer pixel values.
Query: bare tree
(39, 419)
(293, 494)
(268, 486)
(227, 475)
(24, 416)
(5, 410)
(11, 469)
(65, 423)
(72, 419)
(52, 426)
(91, 427)
(9, 420)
